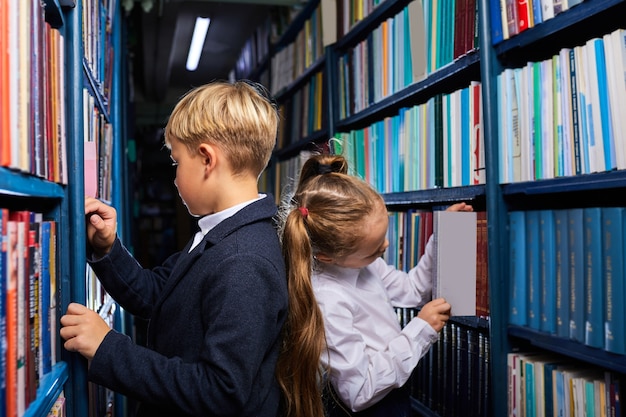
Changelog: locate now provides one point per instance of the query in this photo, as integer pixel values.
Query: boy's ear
(208, 154)
(322, 257)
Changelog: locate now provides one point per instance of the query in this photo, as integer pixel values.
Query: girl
(333, 236)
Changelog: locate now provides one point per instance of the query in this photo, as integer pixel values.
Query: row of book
(460, 272)
(452, 379)
(543, 385)
(32, 87)
(303, 113)
(511, 17)
(419, 40)
(98, 149)
(566, 115)
(291, 61)
(97, 18)
(436, 144)
(27, 306)
(568, 276)
(388, 60)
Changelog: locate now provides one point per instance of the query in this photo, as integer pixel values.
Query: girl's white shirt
(368, 353)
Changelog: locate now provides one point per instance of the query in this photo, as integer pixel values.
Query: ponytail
(298, 369)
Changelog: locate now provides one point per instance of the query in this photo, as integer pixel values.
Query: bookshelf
(351, 70)
(60, 73)
(557, 192)
(498, 191)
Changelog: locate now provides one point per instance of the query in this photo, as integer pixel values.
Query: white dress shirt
(368, 353)
(209, 221)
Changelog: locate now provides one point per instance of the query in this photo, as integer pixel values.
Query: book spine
(594, 286)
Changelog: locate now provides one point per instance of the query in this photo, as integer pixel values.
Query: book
(4, 218)
(613, 228)
(455, 260)
(594, 285)
(518, 268)
(533, 262)
(547, 260)
(576, 273)
(562, 272)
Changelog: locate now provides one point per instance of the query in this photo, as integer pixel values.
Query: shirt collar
(209, 221)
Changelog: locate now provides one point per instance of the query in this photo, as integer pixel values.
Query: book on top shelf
(455, 260)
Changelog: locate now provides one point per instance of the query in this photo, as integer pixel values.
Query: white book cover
(617, 93)
(594, 117)
(454, 278)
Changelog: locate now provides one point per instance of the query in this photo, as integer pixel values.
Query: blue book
(4, 217)
(529, 379)
(547, 259)
(45, 342)
(561, 273)
(613, 277)
(533, 262)
(518, 268)
(605, 107)
(594, 288)
(576, 273)
(495, 17)
(537, 14)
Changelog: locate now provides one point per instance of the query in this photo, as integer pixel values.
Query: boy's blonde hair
(237, 117)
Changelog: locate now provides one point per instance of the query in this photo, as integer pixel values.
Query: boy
(217, 308)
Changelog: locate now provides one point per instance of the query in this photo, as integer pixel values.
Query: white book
(596, 146)
(617, 93)
(454, 278)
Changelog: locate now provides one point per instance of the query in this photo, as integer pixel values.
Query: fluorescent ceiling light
(197, 42)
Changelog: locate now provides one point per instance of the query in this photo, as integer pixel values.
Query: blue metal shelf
(571, 348)
(50, 387)
(587, 182)
(24, 185)
(54, 15)
(435, 196)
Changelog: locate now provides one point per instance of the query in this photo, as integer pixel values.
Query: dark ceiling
(159, 40)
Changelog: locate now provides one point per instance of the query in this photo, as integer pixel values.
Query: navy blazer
(215, 320)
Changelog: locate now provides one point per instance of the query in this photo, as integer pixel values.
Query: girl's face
(190, 171)
(374, 242)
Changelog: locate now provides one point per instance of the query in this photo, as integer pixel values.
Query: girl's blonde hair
(239, 118)
(325, 215)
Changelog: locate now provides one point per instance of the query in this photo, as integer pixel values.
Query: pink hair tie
(304, 211)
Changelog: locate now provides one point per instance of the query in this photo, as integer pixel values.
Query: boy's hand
(436, 313)
(83, 330)
(460, 207)
(101, 225)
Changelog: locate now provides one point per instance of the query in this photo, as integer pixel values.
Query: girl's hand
(460, 207)
(436, 313)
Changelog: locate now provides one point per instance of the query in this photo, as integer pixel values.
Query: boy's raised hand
(101, 225)
(83, 330)
(436, 313)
